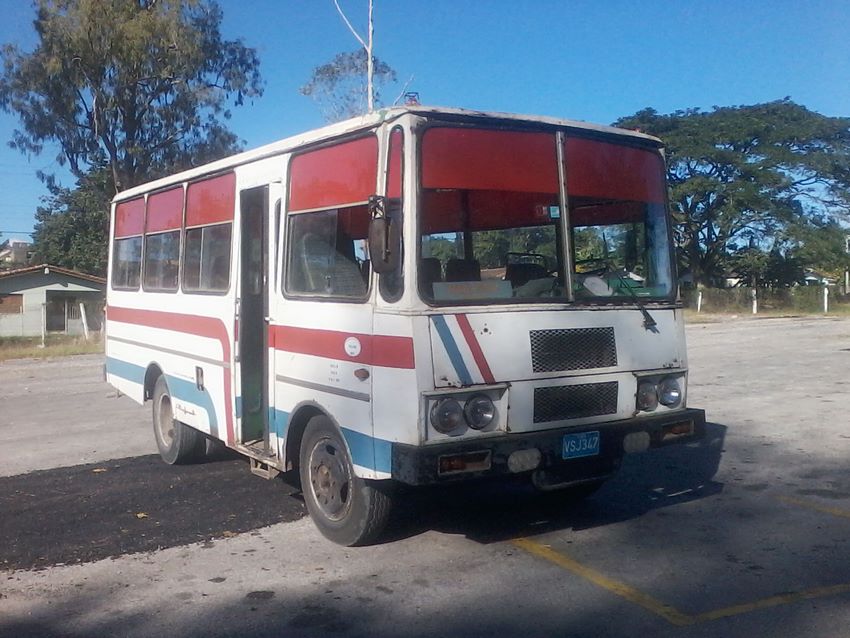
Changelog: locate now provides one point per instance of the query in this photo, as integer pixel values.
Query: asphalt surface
(745, 534)
(89, 512)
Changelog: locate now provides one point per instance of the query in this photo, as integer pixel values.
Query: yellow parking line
(631, 594)
(815, 506)
(773, 601)
(668, 612)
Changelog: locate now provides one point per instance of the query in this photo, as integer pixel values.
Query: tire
(215, 449)
(347, 509)
(177, 442)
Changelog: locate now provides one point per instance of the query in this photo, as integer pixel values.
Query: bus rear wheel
(177, 442)
(346, 508)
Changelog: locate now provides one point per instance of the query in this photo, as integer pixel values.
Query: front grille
(573, 349)
(575, 401)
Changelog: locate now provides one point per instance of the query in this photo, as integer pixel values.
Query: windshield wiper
(648, 322)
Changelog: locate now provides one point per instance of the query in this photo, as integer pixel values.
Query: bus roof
(369, 121)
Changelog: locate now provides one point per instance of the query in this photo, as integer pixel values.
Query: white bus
(418, 296)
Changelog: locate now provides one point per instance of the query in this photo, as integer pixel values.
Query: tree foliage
(339, 87)
(141, 86)
(72, 225)
(746, 177)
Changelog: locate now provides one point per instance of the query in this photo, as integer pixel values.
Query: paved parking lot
(744, 534)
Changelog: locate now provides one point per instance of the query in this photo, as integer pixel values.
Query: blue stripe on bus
(128, 371)
(178, 388)
(451, 348)
(279, 421)
(366, 451)
(188, 391)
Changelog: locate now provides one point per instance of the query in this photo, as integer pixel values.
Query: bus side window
(328, 219)
(129, 223)
(162, 252)
(208, 234)
(206, 259)
(322, 260)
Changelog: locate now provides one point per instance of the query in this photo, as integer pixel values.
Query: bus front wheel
(346, 508)
(177, 442)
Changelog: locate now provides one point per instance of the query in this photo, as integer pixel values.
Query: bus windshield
(490, 225)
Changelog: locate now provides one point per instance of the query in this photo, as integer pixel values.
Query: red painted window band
(130, 218)
(395, 166)
(334, 176)
(164, 211)
(602, 170)
(480, 159)
(211, 201)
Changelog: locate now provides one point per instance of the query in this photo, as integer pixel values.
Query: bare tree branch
(350, 28)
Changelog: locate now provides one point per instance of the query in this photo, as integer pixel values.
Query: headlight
(479, 412)
(446, 416)
(647, 396)
(669, 392)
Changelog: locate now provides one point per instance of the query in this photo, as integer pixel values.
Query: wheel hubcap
(330, 479)
(165, 422)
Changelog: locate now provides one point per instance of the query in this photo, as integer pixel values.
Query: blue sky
(577, 59)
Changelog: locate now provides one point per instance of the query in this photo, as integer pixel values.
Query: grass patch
(55, 346)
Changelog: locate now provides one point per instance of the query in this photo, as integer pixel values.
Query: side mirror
(384, 233)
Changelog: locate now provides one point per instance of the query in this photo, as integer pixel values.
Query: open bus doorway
(253, 310)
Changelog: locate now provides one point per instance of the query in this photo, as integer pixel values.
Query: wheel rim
(165, 421)
(330, 479)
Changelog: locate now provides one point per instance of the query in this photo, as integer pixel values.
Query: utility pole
(367, 45)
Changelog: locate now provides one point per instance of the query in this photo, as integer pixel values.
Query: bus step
(263, 469)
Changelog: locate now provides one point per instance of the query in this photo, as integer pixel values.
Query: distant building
(814, 278)
(15, 252)
(48, 296)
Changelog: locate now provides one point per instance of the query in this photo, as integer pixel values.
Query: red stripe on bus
(475, 347)
(188, 324)
(378, 350)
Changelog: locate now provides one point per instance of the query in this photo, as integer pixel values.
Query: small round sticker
(352, 346)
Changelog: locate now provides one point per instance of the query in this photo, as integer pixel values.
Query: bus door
(252, 402)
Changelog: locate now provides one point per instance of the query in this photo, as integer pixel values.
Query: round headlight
(446, 416)
(479, 412)
(669, 392)
(647, 396)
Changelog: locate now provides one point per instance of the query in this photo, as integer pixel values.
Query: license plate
(580, 444)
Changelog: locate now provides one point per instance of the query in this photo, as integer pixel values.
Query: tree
(72, 226)
(140, 86)
(339, 87)
(739, 175)
(820, 244)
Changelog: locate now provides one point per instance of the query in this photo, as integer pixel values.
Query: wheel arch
(152, 373)
(301, 416)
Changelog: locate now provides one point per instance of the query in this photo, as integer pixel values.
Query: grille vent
(573, 349)
(575, 401)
